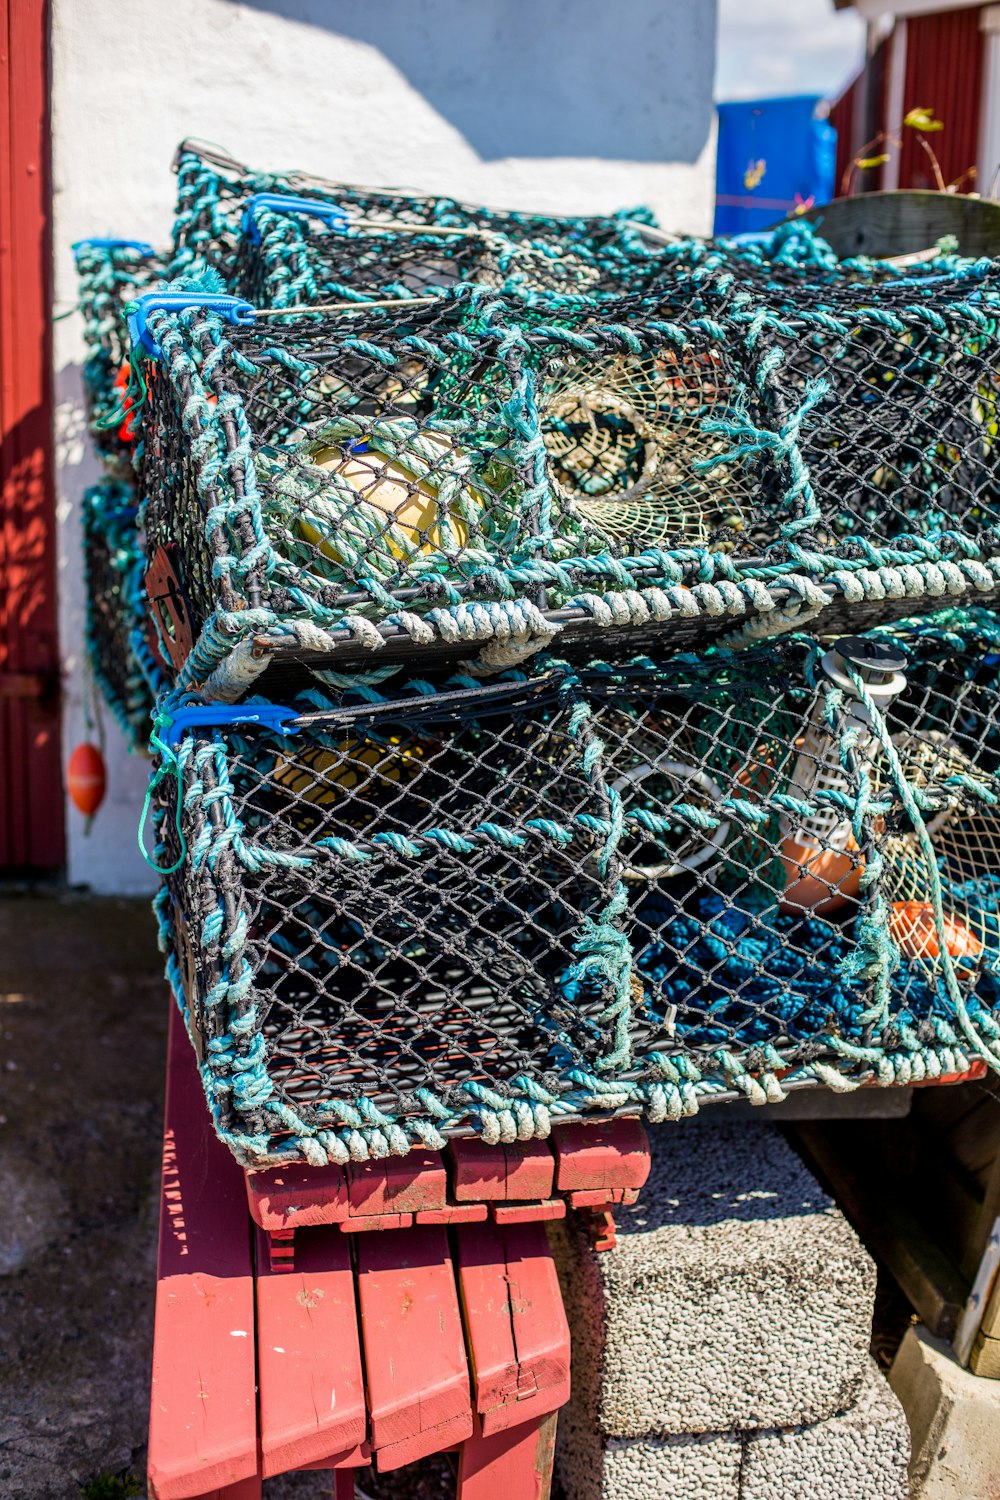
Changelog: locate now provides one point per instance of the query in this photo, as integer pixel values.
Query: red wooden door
(31, 801)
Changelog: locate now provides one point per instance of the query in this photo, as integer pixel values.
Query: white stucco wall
(550, 104)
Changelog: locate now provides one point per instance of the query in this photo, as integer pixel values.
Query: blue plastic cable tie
(233, 309)
(330, 214)
(94, 242)
(218, 716)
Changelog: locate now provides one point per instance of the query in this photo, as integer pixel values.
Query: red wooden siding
(944, 71)
(842, 120)
(31, 804)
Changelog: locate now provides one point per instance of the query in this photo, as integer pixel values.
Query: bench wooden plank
(297, 1196)
(607, 1154)
(411, 1329)
(312, 1397)
(203, 1406)
(503, 1173)
(244, 1489)
(516, 1328)
(528, 1213)
(397, 1185)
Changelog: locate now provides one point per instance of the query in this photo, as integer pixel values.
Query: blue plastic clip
(233, 309)
(95, 243)
(330, 214)
(217, 716)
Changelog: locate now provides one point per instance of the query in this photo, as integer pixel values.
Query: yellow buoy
(321, 776)
(410, 502)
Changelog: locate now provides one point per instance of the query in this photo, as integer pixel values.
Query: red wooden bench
(302, 1335)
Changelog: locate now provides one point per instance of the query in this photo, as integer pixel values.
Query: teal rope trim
(169, 765)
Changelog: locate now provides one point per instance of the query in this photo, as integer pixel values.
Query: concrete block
(737, 1297)
(954, 1419)
(593, 1467)
(861, 1455)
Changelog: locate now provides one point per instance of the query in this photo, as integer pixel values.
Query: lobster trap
(479, 469)
(392, 920)
(810, 856)
(110, 274)
(219, 200)
(122, 662)
(304, 251)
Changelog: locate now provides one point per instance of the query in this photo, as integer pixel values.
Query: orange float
(911, 927)
(822, 863)
(86, 780)
(126, 431)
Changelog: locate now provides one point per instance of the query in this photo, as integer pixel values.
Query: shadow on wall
(544, 78)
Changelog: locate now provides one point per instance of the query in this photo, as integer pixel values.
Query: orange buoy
(819, 880)
(911, 926)
(86, 779)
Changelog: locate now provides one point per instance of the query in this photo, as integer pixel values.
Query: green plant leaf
(864, 162)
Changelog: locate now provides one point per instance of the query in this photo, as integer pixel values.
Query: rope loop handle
(169, 765)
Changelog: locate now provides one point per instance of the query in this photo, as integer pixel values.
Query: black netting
(213, 192)
(117, 640)
(397, 898)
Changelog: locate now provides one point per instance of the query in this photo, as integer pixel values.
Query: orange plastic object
(819, 880)
(127, 430)
(911, 927)
(86, 779)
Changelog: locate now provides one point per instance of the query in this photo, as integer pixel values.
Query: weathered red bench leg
(203, 1407)
(515, 1464)
(515, 1326)
(246, 1489)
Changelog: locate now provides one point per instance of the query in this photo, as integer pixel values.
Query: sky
(774, 47)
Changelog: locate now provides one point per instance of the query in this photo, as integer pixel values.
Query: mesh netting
(485, 469)
(294, 260)
(116, 626)
(109, 276)
(629, 885)
(396, 918)
(213, 191)
(789, 810)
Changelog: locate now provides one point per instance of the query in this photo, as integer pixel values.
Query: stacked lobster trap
(110, 272)
(580, 674)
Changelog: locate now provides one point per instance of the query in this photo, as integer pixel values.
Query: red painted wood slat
(203, 1407)
(516, 1328)
(415, 1365)
(311, 1385)
(505, 1173)
(528, 1213)
(397, 1185)
(297, 1196)
(944, 71)
(613, 1154)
